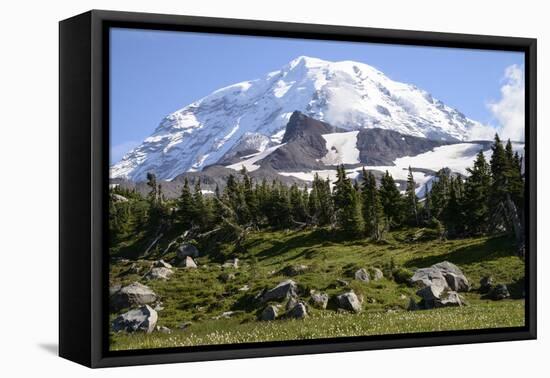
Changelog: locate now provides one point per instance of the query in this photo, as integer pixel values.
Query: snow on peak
(350, 95)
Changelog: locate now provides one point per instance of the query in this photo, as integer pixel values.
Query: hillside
(213, 308)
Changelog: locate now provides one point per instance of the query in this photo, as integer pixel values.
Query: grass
(331, 324)
(200, 295)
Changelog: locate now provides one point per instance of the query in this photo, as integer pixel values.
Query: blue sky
(154, 73)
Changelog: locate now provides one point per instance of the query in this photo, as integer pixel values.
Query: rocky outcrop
(188, 262)
(362, 275)
(319, 300)
(142, 319)
(159, 274)
(269, 313)
(439, 285)
(444, 275)
(284, 290)
(135, 294)
(298, 311)
(349, 301)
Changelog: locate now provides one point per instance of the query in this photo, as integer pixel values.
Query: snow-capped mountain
(349, 95)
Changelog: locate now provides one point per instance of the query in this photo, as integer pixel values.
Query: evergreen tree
(411, 201)
(439, 194)
(347, 204)
(453, 216)
(391, 201)
(186, 208)
(476, 196)
(373, 212)
(298, 206)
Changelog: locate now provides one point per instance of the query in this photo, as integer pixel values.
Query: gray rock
(456, 280)
(444, 275)
(162, 264)
(362, 275)
(132, 295)
(186, 250)
(142, 319)
(285, 289)
(377, 274)
(188, 262)
(269, 313)
(485, 284)
(299, 311)
(159, 274)
(499, 292)
(319, 300)
(430, 295)
(349, 301)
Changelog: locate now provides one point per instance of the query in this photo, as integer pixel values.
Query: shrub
(402, 275)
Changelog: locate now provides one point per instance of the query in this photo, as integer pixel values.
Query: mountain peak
(346, 94)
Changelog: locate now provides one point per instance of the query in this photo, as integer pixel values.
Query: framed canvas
(236, 188)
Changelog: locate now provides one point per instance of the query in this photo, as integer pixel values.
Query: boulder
(362, 275)
(269, 313)
(349, 301)
(499, 292)
(295, 270)
(233, 263)
(430, 295)
(186, 250)
(159, 274)
(376, 274)
(142, 319)
(132, 295)
(319, 300)
(299, 311)
(188, 262)
(185, 325)
(285, 289)
(444, 275)
(162, 264)
(485, 284)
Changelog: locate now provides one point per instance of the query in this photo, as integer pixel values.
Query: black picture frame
(83, 181)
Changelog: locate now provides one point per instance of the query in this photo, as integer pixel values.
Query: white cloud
(509, 111)
(118, 151)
